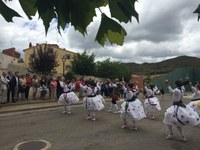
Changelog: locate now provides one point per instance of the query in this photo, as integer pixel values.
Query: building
(64, 57)
(11, 52)
(139, 80)
(5, 60)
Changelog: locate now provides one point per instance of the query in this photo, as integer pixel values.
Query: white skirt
(93, 103)
(132, 110)
(152, 105)
(195, 105)
(69, 99)
(180, 116)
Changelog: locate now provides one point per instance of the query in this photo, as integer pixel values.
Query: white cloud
(166, 29)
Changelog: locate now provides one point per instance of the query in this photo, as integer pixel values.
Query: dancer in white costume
(151, 103)
(195, 102)
(131, 108)
(179, 114)
(93, 102)
(67, 98)
(115, 98)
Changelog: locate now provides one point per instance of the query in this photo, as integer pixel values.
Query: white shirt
(129, 94)
(4, 81)
(177, 94)
(196, 94)
(17, 80)
(89, 90)
(66, 88)
(149, 92)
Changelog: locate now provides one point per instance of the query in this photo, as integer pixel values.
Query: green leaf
(77, 12)
(123, 10)
(84, 16)
(62, 7)
(82, 13)
(29, 7)
(7, 12)
(110, 30)
(46, 12)
(197, 10)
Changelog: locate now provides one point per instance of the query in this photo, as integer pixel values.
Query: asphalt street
(74, 132)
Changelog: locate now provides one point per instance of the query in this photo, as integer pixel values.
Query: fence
(185, 73)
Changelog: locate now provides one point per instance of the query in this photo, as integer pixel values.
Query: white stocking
(116, 107)
(170, 129)
(180, 131)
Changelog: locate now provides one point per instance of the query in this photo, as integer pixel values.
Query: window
(68, 56)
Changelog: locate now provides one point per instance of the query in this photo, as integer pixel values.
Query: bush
(69, 76)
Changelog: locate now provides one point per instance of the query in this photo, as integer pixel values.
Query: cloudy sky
(166, 29)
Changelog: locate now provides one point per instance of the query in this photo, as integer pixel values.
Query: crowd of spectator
(15, 87)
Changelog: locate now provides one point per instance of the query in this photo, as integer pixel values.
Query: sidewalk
(28, 105)
(32, 105)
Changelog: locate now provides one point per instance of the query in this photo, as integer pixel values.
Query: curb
(27, 109)
(29, 102)
(32, 107)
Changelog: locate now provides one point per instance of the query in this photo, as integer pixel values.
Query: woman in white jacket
(3, 87)
(67, 98)
(131, 108)
(195, 102)
(93, 101)
(151, 103)
(179, 114)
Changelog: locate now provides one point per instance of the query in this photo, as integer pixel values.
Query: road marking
(48, 144)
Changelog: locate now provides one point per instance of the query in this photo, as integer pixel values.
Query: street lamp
(64, 58)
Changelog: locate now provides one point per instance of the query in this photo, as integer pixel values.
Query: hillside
(164, 66)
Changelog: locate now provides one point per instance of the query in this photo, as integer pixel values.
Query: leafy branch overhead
(79, 13)
(197, 10)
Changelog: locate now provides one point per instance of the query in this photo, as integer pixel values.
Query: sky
(166, 29)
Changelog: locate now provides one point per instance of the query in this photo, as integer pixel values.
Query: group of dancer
(132, 108)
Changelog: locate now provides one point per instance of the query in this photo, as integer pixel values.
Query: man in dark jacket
(11, 87)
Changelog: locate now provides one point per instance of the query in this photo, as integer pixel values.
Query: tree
(79, 14)
(43, 60)
(148, 79)
(112, 70)
(69, 75)
(66, 13)
(197, 10)
(20, 60)
(83, 64)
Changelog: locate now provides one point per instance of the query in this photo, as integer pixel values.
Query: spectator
(53, 86)
(49, 79)
(16, 78)
(28, 85)
(11, 87)
(35, 85)
(22, 85)
(3, 87)
(43, 87)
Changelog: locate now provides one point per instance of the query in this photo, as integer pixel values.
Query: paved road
(74, 132)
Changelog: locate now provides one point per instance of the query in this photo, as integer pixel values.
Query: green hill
(164, 66)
